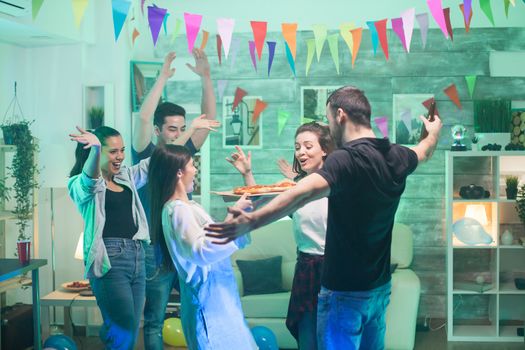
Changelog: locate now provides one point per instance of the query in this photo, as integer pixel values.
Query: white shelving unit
(483, 303)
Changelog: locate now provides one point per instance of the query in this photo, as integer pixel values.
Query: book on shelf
(473, 286)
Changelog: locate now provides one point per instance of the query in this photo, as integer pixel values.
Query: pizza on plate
(261, 189)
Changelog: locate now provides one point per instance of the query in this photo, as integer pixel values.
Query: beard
(337, 134)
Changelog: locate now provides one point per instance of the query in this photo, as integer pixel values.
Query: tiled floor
(436, 340)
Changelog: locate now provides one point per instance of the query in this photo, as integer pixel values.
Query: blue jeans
(352, 320)
(159, 282)
(120, 293)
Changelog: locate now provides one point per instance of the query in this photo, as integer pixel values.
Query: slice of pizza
(261, 189)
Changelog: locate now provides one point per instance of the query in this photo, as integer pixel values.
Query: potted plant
(23, 170)
(512, 186)
(96, 117)
(520, 203)
(474, 141)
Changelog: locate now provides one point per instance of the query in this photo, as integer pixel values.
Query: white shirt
(309, 226)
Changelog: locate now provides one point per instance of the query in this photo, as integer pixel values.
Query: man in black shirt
(363, 180)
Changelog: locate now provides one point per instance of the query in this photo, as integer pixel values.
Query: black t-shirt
(366, 178)
(119, 215)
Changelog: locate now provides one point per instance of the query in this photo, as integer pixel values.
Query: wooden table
(66, 300)
(10, 269)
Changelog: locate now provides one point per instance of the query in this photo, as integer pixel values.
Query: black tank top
(119, 215)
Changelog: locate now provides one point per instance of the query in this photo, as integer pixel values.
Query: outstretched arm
(92, 165)
(243, 164)
(144, 124)
(308, 189)
(208, 103)
(425, 148)
(286, 169)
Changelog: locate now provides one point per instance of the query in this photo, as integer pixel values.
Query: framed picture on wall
(406, 125)
(143, 75)
(313, 103)
(518, 126)
(238, 125)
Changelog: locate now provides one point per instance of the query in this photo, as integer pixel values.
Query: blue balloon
(264, 338)
(60, 342)
(471, 232)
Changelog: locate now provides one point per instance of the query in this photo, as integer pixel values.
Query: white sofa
(270, 310)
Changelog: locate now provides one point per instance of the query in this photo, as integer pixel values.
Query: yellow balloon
(172, 332)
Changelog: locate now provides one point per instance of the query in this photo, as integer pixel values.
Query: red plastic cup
(24, 251)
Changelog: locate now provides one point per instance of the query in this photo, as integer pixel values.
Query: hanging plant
(23, 170)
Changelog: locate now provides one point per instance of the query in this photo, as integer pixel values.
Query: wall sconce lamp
(236, 124)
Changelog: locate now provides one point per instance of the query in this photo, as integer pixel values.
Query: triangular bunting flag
(79, 8)
(205, 35)
(259, 107)
(397, 27)
(219, 48)
(408, 26)
(446, 14)
(452, 93)
(382, 125)
(142, 6)
(381, 33)
(282, 118)
(259, 36)
(271, 52)
(193, 25)
(427, 104)
(165, 23)
(422, 19)
(239, 95)
(437, 12)
(357, 34)
(320, 33)
(471, 84)
(290, 36)
(155, 19)
(467, 22)
(251, 44)
(37, 4)
(176, 31)
(290, 58)
(221, 86)
(344, 30)
(333, 44)
(310, 45)
(487, 10)
(507, 4)
(225, 30)
(373, 33)
(234, 49)
(120, 9)
(135, 35)
(467, 5)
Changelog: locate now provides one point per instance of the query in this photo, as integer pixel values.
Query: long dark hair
(166, 161)
(81, 154)
(325, 141)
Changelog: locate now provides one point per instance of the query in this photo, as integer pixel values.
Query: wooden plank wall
(423, 70)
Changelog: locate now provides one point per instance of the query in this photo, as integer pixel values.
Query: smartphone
(430, 117)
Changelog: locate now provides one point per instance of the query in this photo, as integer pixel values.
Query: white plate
(76, 289)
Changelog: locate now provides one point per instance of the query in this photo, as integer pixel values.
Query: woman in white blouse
(312, 144)
(211, 313)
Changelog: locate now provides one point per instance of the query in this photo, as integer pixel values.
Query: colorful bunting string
(467, 22)
(373, 33)
(290, 58)
(357, 34)
(437, 12)
(282, 118)
(381, 33)
(452, 93)
(120, 9)
(155, 18)
(252, 44)
(320, 33)
(79, 8)
(446, 14)
(310, 45)
(37, 4)
(487, 10)
(333, 44)
(176, 31)
(382, 125)
(422, 20)
(290, 36)
(259, 107)
(239, 95)
(408, 26)
(397, 27)
(205, 35)
(471, 84)
(225, 30)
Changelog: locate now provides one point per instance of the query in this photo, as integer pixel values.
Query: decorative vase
(474, 147)
(511, 193)
(507, 238)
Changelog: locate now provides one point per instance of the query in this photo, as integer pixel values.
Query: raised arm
(208, 103)
(308, 189)
(243, 164)
(92, 165)
(286, 169)
(143, 130)
(425, 148)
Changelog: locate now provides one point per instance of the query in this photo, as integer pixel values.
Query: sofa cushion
(266, 305)
(263, 276)
(401, 248)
